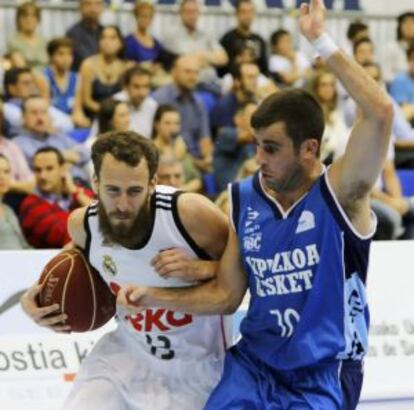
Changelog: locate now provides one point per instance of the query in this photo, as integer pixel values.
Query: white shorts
(119, 375)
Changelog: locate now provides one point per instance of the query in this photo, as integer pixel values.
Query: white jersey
(171, 357)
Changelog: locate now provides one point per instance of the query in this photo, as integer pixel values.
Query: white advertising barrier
(36, 366)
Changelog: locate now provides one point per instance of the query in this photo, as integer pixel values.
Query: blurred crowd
(193, 94)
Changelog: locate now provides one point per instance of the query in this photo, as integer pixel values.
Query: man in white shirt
(136, 90)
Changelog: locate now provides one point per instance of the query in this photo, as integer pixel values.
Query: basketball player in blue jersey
(299, 241)
(157, 359)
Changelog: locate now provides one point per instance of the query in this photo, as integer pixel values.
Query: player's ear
(309, 148)
(153, 183)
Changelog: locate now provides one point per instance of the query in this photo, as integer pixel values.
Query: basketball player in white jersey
(156, 359)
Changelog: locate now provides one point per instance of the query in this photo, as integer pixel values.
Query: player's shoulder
(76, 225)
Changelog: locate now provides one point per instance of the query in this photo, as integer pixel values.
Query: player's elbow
(384, 112)
(232, 301)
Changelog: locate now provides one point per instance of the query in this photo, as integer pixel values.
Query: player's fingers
(40, 313)
(162, 262)
(121, 298)
(61, 328)
(54, 320)
(172, 270)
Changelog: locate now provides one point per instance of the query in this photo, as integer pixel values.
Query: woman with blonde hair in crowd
(27, 41)
(11, 236)
(100, 75)
(323, 87)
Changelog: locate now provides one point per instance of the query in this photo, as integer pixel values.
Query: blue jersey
(306, 271)
(62, 99)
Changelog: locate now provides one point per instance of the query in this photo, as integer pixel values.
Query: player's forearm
(206, 299)
(371, 99)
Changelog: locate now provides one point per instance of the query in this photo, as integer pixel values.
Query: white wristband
(325, 46)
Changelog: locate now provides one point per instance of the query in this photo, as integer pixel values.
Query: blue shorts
(352, 375)
(249, 384)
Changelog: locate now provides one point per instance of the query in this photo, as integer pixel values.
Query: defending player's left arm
(207, 227)
(353, 175)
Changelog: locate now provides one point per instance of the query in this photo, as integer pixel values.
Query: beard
(289, 182)
(126, 233)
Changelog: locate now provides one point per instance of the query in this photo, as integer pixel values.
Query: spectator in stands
(44, 213)
(395, 53)
(85, 34)
(356, 30)
(391, 206)
(171, 171)
(186, 38)
(364, 51)
(166, 137)
(113, 116)
(11, 236)
(244, 89)
(101, 74)
(21, 175)
(62, 82)
(323, 87)
(136, 93)
(36, 134)
(27, 41)
(195, 127)
(142, 47)
(246, 55)
(243, 35)
(402, 131)
(402, 88)
(234, 145)
(287, 66)
(19, 84)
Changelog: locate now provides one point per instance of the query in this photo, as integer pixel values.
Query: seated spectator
(171, 172)
(389, 204)
(36, 134)
(19, 84)
(142, 107)
(287, 66)
(323, 87)
(402, 88)
(356, 31)
(243, 35)
(402, 131)
(244, 89)
(364, 51)
(101, 74)
(245, 55)
(27, 41)
(62, 82)
(186, 38)
(234, 145)
(170, 144)
(44, 213)
(21, 175)
(113, 116)
(142, 47)
(11, 236)
(85, 33)
(195, 127)
(395, 53)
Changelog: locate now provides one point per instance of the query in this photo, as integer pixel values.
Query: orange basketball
(70, 281)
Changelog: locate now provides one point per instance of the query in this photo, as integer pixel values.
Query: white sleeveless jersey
(166, 335)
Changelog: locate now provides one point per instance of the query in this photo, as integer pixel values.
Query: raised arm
(353, 175)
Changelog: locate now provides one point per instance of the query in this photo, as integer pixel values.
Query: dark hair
(60, 42)
(47, 150)
(106, 114)
(297, 109)
(11, 77)
(121, 52)
(400, 20)
(24, 9)
(244, 104)
(135, 70)
(238, 3)
(410, 50)
(354, 28)
(161, 110)
(277, 35)
(125, 146)
(361, 41)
